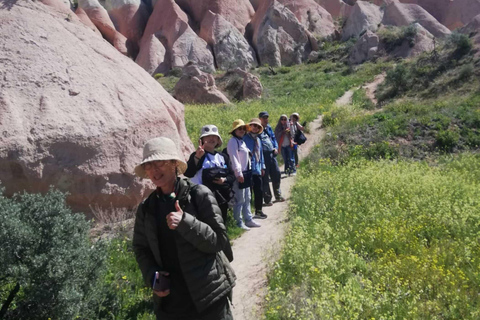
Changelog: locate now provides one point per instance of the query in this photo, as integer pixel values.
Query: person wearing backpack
(211, 168)
(285, 141)
(294, 128)
(254, 144)
(179, 240)
(242, 168)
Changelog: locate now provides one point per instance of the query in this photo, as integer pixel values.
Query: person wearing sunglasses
(179, 240)
(285, 141)
(242, 168)
(211, 168)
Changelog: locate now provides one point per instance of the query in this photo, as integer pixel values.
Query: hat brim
(240, 125)
(261, 127)
(140, 171)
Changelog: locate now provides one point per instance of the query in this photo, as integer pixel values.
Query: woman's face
(240, 132)
(162, 173)
(255, 128)
(283, 121)
(210, 143)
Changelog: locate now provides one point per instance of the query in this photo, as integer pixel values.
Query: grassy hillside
(386, 212)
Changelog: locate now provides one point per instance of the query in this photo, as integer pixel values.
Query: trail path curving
(256, 250)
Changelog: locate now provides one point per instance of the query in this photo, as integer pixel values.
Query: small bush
(329, 119)
(447, 140)
(460, 43)
(156, 76)
(175, 72)
(393, 37)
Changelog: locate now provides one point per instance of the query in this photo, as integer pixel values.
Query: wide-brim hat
(161, 148)
(257, 122)
(237, 124)
(295, 115)
(210, 130)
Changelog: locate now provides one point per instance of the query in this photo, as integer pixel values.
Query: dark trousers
(218, 311)
(224, 209)
(257, 191)
(272, 173)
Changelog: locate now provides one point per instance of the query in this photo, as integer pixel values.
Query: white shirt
(239, 156)
(210, 161)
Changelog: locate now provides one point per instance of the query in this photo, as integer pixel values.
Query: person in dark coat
(179, 240)
(211, 168)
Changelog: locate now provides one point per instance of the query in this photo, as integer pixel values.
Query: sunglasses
(242, 128)
(283, 119)
(255, 126)
(207, 129)
(149, 166)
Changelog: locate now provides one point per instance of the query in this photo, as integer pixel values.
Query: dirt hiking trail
(257, 250)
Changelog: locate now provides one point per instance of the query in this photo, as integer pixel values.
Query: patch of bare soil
(371, 87)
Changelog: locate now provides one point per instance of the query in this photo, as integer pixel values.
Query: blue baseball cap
(263, 114)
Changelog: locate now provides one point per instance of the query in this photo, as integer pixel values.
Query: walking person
(178, 240)
(294, 126)
(285, 141)
(242, 168)
(211, 168)
(272, 171)
(258, 166)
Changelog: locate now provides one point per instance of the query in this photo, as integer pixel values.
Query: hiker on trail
(179, 240)
(294, 126)
(258, 166)
(242, 168)
(272, 171)
(211, 168)
(285, 141)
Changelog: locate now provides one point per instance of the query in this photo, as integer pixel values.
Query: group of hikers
(180, 238)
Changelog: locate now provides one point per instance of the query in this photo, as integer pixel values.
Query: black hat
(263, 114)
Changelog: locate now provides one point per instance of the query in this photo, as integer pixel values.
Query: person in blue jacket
(272, 171)
(254, 144)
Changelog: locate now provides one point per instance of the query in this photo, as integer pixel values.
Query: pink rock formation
(364, 16)
(75, 113)
(312, 16)
(198, 87)
(169, 42)
(402, 14)
(237, 12)
(365, 48)
(252, 87)
(230, 48)
(277, 35)
(473, 29)
(129, 18)
(423, 42)
(82, 15)
(451, 13)
(99, 16)
(337, 8)
(60, 6)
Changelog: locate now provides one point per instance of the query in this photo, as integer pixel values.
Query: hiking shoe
(294, 173)
(260, 215)
(280, 199)
(252, 224)
(244, 227)
(268, 204)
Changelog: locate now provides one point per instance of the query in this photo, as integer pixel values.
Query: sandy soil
(256, 250)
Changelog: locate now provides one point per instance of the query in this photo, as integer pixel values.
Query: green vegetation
(393, 37)
(381, 240)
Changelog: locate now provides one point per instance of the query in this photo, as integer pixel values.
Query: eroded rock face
(365, 48)
(169, 42)
(129, 18)
(99, 16)
(337, 8)
(82, 15)
(230, 48)
(401, 14)
(197, 87)
(473, 29)
(252, 87)
(364, 16)
(278, 37)
(75, 113)
(423, 42)
(237, 12)
(312, 16)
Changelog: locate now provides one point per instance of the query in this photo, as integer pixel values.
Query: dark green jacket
(200, 238)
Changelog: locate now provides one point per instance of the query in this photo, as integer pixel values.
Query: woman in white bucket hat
(178, 240)
(211, 168)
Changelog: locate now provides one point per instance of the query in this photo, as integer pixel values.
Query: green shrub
(156, 76)
(393, 37)
(460, 43)
(47, 255)
(360, 99)
(447, 140)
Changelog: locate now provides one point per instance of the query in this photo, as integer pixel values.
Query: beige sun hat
(295, 114)
(237, 124)
(161, 148)
(211, 130)
(257, 122)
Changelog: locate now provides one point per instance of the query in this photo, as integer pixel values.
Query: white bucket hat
(210, 130)
(160, 148)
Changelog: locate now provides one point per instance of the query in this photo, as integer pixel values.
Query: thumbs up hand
(174, 217)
